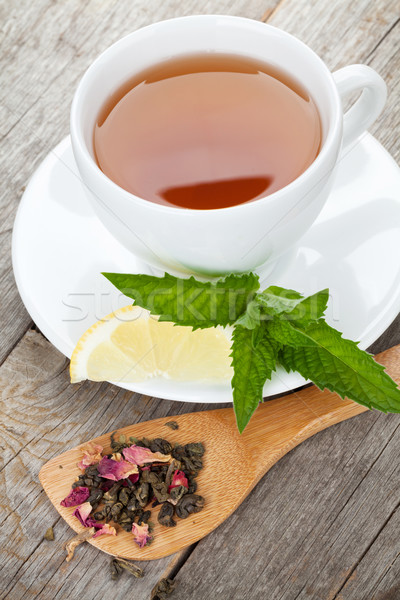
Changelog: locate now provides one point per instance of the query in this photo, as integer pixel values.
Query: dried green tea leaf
(115, 569)
(189, 504)
(165, 516)
(162, 589)
(117, 564)
(49, 535)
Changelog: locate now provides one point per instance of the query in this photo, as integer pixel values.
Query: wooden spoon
(233, 463)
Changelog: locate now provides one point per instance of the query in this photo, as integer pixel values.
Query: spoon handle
(281, 424)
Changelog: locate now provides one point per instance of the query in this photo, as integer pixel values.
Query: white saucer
(60, 248)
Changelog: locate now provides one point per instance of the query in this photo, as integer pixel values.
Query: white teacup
(239, 238)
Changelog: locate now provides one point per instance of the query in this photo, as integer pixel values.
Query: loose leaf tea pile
(274, 327)
(138, 475)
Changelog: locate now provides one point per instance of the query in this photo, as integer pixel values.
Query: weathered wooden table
(323, 524)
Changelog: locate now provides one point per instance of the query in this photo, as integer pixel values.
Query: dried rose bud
(116, 470)
(178, 478)
(91, 455)
(141, 534)
(140, 456)
(77, 495)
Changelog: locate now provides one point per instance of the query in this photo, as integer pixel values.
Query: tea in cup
(208, 144)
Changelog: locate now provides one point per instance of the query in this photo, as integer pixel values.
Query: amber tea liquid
(207, 131)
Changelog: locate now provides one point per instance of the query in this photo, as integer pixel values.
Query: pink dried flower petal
(76, 496)
(140, 456)
(82, 513)
(105, 529)
(178, 478)
(106, 485)
(132, 478)
(115, 470)
(91, 455)
(141, 534)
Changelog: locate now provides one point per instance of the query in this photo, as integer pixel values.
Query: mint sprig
(252, 365)
(189, 302)
(272, 327)
(339, 365)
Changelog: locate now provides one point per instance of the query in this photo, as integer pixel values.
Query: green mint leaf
(288, 303)
(258, 334)
(188, 301)
(276, 300)
(279, 301)
(252, 367)
(251, 318)
(276, 325)
(318, 352)
(310, 309)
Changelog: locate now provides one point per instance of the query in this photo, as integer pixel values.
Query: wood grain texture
(343, 33)
(377, 576)
(309, 521)
(322, 524)
(277, 426)
(41, 415)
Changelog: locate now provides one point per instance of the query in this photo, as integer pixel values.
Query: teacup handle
(361, 115)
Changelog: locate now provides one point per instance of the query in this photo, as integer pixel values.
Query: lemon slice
(130, 345)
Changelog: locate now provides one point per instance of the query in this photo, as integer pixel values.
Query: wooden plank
(377, 575)
(340, 32)
(344, 33)
(43, 415)
(385, 58)
(14, 320)
(335, 468)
